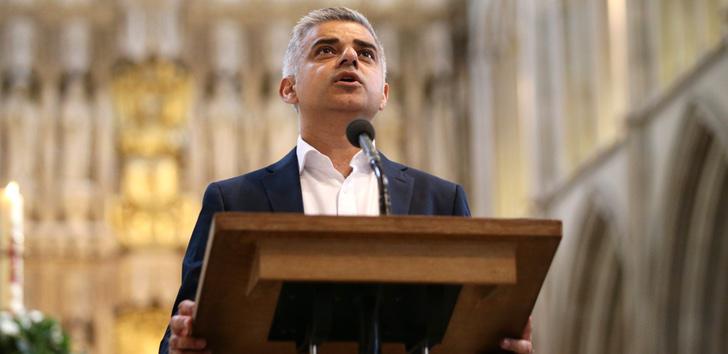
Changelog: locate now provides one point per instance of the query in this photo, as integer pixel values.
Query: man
(334, 71)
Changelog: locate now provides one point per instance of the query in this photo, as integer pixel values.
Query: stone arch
(595, 317)
(692, 269)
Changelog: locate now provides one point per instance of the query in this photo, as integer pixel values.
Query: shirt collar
(309, 157)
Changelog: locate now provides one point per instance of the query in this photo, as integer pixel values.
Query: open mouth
(347, 78)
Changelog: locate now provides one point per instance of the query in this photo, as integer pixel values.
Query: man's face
(340, 70)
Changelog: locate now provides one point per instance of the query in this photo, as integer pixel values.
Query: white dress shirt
(326, 191)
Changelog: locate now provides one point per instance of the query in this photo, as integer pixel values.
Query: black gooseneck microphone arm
(375, 162)
(360, 133)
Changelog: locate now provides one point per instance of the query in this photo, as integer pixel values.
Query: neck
(328, 136)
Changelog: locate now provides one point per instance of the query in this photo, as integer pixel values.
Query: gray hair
(295, 49)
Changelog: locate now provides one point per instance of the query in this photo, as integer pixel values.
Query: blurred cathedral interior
(611, 115)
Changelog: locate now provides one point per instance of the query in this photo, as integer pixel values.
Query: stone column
(389, 123)
(482, 143)
(223, 105)
(132, 36)
(20, 115)
(281, 121)
(441, 121)
(534, 118)
(556, 89)
(75, 127)
(641, 45)
(619, 27)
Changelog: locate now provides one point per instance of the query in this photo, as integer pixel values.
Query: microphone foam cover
(358, 127)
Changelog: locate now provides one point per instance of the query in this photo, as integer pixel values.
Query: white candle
(4, 251)
(13, 215)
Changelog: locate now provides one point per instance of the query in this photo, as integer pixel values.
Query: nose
(349, 57)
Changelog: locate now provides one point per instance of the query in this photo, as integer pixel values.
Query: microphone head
(358, 127)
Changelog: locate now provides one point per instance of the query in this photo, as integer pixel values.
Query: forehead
(342, 30)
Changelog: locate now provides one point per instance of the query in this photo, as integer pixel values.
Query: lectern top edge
(437, 225)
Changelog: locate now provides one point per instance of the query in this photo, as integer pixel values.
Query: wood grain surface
(501, 264)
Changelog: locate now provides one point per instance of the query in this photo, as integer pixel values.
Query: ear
(287, 90)
(385, 97)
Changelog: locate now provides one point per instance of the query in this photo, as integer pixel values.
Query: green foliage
(31, 333)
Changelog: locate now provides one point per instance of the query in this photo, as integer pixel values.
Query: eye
(325, 50)
(367, 53)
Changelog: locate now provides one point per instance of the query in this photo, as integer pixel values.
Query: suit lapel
(401, 186)
(283, 185)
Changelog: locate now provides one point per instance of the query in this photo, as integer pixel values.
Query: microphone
(360, 133)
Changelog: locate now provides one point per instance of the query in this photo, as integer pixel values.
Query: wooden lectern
(494, 268)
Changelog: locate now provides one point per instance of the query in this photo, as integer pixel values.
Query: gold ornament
(152, 101)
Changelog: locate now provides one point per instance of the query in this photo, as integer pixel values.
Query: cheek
(377, 89)
(377, 84)
(303, 84)
(306, 72)
(314, 79)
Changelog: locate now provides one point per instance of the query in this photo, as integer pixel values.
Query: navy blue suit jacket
(277, 188)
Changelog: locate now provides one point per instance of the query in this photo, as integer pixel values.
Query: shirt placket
(347, 197)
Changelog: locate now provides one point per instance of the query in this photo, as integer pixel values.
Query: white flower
(56, 335)
(36, 316)
(24, 319)
(8, 326)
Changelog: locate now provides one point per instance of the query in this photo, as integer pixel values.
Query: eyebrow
(325, 41)
(365, 44)
(359, 42)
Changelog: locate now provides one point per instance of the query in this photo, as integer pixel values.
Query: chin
(350, 105)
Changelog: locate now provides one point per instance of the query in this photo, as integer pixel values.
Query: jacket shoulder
(432, 195)
(242, 193)
(423, 178)
(254, 178)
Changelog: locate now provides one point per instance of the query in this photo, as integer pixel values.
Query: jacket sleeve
(460, 204)
(195, 254)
